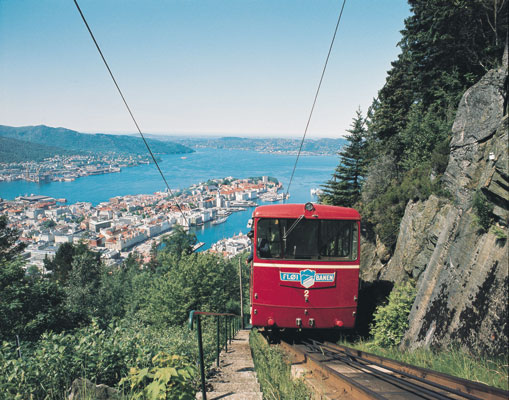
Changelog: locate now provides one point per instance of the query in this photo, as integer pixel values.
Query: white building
(63, 238)
(239, 196)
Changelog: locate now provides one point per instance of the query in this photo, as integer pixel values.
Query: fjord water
(182, 171)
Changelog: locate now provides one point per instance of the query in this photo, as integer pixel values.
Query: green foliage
(499, 232)
(61, 264)
(179, 242)
(116, 291)
(91, 289)
(48, 367)
(344, 189)
(391, 320)
(274, 372)
(49, 223)
(484, 211)
(198, 281)
(9, 248)
(424, 131)
(169, 377)
(440, 156)
(385, 211)
(136, 313)
(83, 286)
(29, 305)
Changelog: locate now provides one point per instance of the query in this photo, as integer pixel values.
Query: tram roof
(296, 210)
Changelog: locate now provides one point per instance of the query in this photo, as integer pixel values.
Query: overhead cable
(316, 97)
(129, 110)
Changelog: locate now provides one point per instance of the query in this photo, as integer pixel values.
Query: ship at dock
(219, 221)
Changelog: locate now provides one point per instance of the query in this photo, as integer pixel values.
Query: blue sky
(213, 67)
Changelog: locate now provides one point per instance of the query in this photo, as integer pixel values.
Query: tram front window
(307, 239)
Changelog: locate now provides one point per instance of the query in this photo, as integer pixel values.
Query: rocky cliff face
(461, 272)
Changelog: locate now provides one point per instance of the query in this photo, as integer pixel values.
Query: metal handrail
(231, 327)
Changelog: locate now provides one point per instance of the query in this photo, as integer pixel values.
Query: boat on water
(273, 195)
(198, 245)
(219, 221)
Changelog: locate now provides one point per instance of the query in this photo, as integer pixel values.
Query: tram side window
(269, 238)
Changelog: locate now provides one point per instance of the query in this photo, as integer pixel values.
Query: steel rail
(393, 380)
(464, 387)
(419, 382)
(339, 380)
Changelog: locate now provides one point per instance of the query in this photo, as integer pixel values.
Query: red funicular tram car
(305, 268)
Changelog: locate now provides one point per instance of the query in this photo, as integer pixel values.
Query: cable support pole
(316, 97)
(128, 108)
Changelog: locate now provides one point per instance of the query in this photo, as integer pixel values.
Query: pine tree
(345, 186)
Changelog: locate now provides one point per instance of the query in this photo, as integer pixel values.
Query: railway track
(339, 372)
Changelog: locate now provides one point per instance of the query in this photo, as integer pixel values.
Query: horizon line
(251, 135)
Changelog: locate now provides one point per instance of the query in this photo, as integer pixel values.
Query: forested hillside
(13, 150)
(98, 143)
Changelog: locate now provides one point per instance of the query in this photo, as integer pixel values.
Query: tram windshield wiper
(296, 222)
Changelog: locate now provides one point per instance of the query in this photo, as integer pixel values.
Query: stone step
(232, 396)
(237, 387)
(238, 367)
(242, 362)
(233, 376)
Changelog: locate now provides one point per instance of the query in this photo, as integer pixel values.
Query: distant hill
(272, 145)
(97, 143)
(13, 150)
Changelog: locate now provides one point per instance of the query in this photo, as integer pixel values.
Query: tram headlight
(309, 207)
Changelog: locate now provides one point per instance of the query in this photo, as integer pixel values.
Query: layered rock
(461, 271)
(478, 157)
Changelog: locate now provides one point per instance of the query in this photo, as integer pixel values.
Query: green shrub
(169, 377)
(49, 366)
(386, 210)
(440, 156)
(274, 372)
(499, 232)
(391, 319)
(168, 296)
(483, 210)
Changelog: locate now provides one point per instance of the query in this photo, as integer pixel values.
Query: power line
(316, 96)
(128, 109)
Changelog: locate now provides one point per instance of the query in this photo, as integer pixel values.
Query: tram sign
(307, 277)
